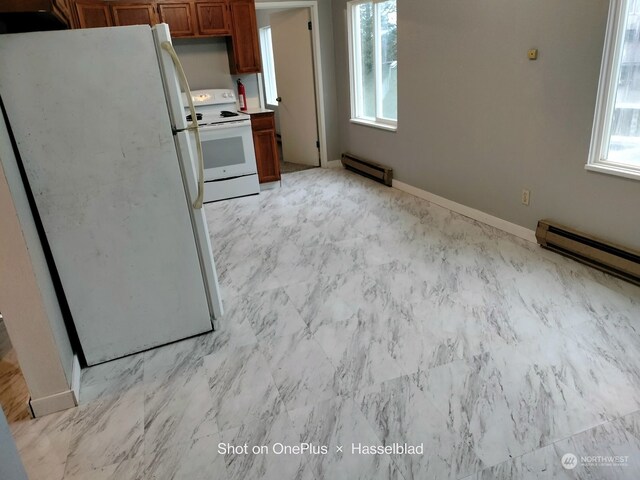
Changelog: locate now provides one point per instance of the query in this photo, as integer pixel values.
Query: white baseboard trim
(483, 217)
(334, 163)
(59, 401)
(53, 403)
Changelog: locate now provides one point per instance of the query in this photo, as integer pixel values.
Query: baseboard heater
(616, 260)
(375, 171)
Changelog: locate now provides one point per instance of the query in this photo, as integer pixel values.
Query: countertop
(255, 111)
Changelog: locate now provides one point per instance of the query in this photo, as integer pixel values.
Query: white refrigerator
(115, 173)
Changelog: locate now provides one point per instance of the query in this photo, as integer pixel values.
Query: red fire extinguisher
(242, 96)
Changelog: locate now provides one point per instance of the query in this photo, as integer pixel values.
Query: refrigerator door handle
(168, 47)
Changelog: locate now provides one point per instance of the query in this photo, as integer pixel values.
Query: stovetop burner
(198, 117)
(216, 107)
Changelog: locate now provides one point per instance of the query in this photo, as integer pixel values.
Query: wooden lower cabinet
(264, 143)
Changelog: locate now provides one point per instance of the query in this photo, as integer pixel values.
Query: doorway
(288, 85)
(14, 394)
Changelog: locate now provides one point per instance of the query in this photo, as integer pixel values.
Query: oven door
(227, 149)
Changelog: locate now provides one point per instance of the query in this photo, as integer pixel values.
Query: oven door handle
(225, 126)
(182, 78)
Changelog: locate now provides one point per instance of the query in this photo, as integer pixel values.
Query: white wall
(478, 121)
(28, 302)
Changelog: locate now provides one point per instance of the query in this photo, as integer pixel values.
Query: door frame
(317, 67)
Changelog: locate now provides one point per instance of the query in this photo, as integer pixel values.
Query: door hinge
(318, 144)
(309, 26)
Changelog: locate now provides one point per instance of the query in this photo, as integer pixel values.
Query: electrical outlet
(526, 194)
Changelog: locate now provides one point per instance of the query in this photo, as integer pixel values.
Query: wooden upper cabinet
(133, 14)
(93, 14)
(235, 19)
(244, 48)
(179, 17)
(62, 10)
(213, 17)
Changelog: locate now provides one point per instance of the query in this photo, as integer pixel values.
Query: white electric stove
(227, 145)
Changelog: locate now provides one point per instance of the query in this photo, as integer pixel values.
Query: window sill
(371, 123)
(619, 171)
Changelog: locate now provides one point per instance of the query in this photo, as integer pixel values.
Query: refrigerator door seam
(177, 104)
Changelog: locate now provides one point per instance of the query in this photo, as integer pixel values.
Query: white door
(293, 59)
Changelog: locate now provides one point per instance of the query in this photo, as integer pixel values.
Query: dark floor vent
(614, 259)
(375, 171)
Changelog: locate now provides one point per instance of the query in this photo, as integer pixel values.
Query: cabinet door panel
(179, 18)
(62, 10)
(133, 14)
(244, 44)
(213, 18)
(263, 121)
(264, 143)
(93, 14)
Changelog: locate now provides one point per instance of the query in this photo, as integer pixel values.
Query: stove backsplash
(206, 63)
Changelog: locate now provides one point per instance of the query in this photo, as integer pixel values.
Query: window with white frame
(268, 68)
(615, 142)
(373, 65)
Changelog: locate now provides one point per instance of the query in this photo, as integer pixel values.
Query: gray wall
(11, 467)
(262, 15)
(478, 121)
(205, 62)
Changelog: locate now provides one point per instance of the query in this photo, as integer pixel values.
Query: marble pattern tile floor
(356, 313)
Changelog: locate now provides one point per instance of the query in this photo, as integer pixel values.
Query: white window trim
(373, 123)
(355, 75)
(268, 66)
(605, 100)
